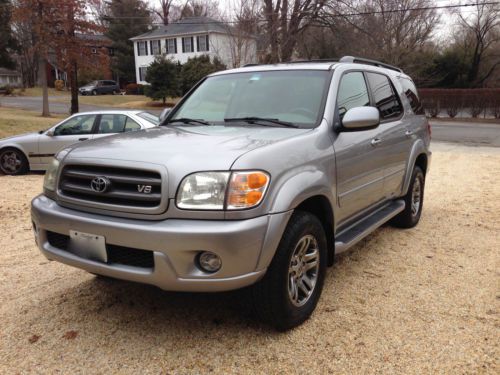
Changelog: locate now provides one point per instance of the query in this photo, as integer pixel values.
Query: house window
(142, 48)
(111, 51)
(155, 47)
(202, 42)
(172, 45)
(94, 50)
(142, 73)
(187, 44)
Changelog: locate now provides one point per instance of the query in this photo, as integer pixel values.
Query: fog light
(209, 262)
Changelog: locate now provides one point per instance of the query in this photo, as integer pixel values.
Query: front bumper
(245, 246)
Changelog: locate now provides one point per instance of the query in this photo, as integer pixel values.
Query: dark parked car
(100, 87)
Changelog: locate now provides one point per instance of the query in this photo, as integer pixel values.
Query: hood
(183, 149)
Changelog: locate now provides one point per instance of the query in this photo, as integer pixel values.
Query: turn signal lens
(246, 189)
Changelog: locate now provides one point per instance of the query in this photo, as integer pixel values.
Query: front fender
(298, 188)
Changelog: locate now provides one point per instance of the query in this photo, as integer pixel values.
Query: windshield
(294, 96)
(149, 117)
(93, 83)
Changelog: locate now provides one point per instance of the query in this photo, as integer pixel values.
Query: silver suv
(255, 179)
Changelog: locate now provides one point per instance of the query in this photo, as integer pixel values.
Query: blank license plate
(87, 245)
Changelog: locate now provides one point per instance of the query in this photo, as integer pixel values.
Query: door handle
(82, 139)
(408, 133)
(375, 142)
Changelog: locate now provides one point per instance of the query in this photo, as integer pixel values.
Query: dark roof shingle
(189, 25)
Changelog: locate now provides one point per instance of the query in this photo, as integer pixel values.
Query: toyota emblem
(100, 184)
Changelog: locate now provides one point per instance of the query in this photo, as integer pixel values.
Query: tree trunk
(43, 82)
(74, 88)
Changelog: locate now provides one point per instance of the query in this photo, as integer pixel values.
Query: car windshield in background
(294, 96)
(149, 117)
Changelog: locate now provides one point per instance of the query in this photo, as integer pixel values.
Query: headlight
(203, 191)
(49, 182)
(210, 190)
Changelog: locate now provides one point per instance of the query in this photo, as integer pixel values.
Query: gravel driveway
(425, 300)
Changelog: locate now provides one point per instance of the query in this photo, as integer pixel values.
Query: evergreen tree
(7, 42)
(163, 79)
(126, 18)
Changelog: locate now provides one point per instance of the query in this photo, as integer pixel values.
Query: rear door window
(110, 124)
(384, 95)
(352, 93)
(131, 125)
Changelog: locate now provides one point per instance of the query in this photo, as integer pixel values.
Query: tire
(94, 92)
(272, 299)
(414, 201)
(114, 92)
(13, 162)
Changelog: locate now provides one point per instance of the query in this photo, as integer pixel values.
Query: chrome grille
(123, 186)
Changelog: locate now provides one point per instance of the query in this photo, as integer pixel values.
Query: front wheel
(414, 201)
(13, 162)
(94, 92)
(289, 292)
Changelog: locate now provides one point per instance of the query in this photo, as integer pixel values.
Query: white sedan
(33, 151)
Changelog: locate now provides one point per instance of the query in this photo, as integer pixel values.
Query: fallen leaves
(34, 339)
(70, 335)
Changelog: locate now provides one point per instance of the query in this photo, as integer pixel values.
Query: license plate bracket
(88, 245)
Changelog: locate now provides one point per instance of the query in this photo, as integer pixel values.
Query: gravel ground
(425, 300)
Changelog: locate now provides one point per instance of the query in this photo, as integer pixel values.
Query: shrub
(163, 78)
(6, 90)
(59, 84)
(454, 101)
(134, 89)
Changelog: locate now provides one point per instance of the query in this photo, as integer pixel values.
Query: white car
(33, 151)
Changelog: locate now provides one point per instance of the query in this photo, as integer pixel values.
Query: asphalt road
(473, 134)
(467, 133)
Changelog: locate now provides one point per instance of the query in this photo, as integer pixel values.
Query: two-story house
(190, 37)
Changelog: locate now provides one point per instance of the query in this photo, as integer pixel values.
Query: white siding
(220, 45)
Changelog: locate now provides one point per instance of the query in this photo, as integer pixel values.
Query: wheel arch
(320, 206)
(419, 155)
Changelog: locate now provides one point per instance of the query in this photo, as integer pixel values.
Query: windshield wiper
(186, 120)
(252, 120)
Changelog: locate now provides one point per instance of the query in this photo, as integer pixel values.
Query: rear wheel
(414, 201)
(289, 292)
(13, 162)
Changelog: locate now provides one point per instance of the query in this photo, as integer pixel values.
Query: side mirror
(164, 114)
(361, 118)
(49, 133)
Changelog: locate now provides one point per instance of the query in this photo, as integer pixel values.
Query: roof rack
(360, 60)
(298, 62)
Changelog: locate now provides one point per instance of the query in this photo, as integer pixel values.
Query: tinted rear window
(385, 96)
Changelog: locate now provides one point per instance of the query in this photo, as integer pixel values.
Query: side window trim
(95, 127)
(372, 98)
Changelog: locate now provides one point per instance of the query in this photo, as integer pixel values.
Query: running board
(356, 232)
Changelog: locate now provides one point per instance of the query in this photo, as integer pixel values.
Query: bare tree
(164, 11)
(481, 32)
(200, 8)
(242, 30)
(383, 29)
(285, 21)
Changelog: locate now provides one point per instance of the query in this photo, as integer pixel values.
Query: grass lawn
(37, 91)
(16, 121)
(118, 101)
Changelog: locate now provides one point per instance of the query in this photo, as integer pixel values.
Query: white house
(190, 37)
